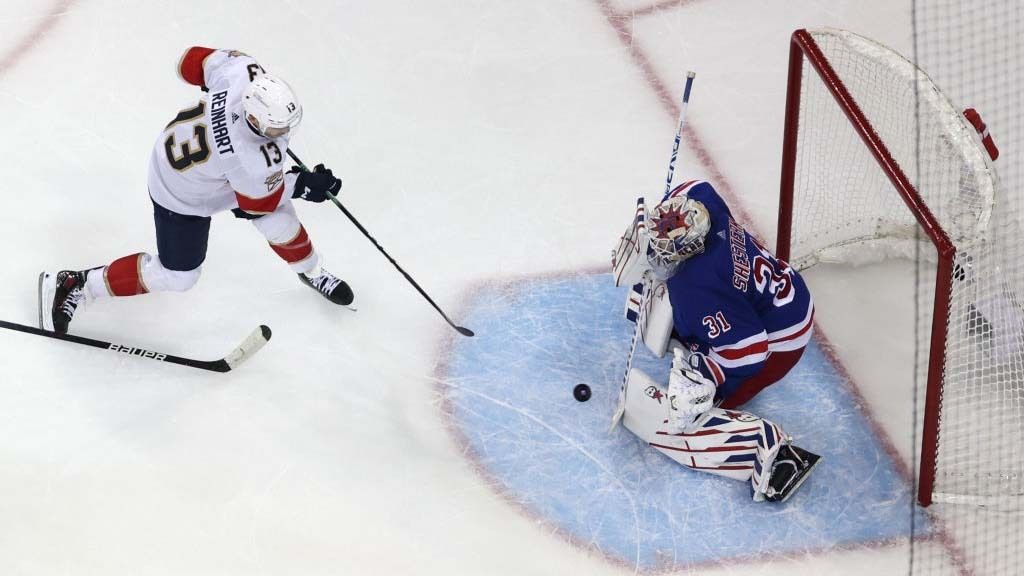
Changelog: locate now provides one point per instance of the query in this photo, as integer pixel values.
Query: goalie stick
(620, 406)
(252, 343)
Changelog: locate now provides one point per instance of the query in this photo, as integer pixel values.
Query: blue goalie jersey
(736, 302)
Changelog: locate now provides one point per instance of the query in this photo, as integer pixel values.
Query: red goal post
(877, 164)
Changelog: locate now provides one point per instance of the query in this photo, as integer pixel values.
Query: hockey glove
(708, 368)
(690, 394)
(314, 186)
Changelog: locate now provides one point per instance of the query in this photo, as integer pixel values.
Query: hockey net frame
(804, 48)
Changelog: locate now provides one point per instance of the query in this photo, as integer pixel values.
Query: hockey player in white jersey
(225, 153)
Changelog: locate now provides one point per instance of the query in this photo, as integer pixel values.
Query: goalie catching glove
(690, 393)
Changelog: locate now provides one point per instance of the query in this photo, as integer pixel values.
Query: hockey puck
(581, 392)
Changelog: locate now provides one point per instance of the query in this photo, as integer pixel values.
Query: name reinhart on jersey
(218, 116)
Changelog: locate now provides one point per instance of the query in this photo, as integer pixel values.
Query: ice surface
(509, 397)
(479, 142)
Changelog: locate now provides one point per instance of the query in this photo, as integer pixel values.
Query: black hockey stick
(247, 348)
(460, 329)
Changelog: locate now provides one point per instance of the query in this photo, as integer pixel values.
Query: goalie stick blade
(617, 417)
(620, 406)
(251, 345)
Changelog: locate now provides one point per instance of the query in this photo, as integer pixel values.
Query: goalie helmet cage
(878, 164)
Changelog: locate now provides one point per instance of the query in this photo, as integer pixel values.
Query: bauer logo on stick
(132, 351)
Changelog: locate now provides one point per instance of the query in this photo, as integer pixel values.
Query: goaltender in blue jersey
(749, 313)
(736, 320)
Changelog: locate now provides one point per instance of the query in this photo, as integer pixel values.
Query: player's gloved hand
(690, 394)
(708, 368)
(314, 186)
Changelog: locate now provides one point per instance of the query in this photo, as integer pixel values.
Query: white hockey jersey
(207, 159)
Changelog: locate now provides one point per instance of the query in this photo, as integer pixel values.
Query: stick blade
(250, 346)
(464, 331)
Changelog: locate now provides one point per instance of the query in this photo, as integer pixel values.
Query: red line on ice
(34, 36)
(659, 6)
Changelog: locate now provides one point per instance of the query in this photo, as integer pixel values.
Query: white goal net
(880, 165)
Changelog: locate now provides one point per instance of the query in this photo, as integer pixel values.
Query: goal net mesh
(974, 50)
(957, 222)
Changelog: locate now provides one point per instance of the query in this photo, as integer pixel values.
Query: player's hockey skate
(791, 467)
(60, 296)
(329, 286)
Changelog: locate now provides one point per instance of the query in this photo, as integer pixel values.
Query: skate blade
(39, 292)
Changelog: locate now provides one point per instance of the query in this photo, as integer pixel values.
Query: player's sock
(96, 283)
(298, 251)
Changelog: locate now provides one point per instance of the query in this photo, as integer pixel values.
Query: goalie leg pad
(646, 405)
(729, 443)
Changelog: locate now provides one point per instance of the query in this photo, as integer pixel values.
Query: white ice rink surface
(478, 141)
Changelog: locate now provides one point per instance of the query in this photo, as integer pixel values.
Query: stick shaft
(460, 329)
(641, 319)
(679, 132)
(212, 365)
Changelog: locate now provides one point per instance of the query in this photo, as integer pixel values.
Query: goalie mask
(677, 228)
(270, 106)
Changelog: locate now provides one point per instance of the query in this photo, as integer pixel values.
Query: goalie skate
(791, 467)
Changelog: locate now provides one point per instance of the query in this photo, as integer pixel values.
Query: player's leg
(728, 443)
(289, 240)
(181, 243)
(733, 445)
(776, 366)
